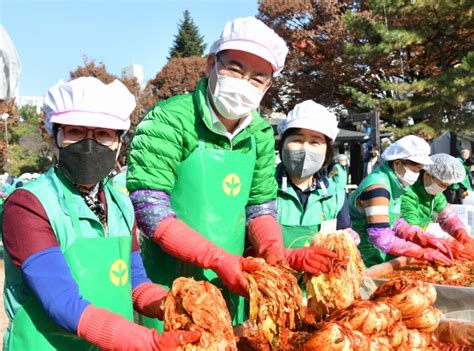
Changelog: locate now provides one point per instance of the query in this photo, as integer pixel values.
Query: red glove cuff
(266, 237)
(147, 299)
(100, 327)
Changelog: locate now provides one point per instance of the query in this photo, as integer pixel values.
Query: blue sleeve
(343, 218)
(56, 288)
(138, 271)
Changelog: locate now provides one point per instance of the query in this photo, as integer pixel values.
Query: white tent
(10, 66)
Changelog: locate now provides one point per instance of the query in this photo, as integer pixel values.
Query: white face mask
(434, 188)
(235, 98)
(409, 178)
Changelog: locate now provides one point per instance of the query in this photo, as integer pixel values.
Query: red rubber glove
(112, 332)
(314, 260)
(464, 238)
(264, 233)
(460, 251)
(177, 239)
(148, 298)
(416, 235)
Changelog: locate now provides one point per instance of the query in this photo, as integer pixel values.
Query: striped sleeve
(375, 202)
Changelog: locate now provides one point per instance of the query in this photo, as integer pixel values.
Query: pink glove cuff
(264, 233)
(147, 298)
(383, 238)
(449, 221)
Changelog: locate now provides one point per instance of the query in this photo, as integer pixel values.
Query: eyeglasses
(236, 72)
(77, 133)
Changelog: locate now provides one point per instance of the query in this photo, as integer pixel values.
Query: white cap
(446, 168)
(252, 35)
(88, 102)
(312, 116)
(410, 148)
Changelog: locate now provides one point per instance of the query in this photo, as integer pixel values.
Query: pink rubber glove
(461, 251)
(354, 235)
(314, 260)
(401, 247)
(264, 233)
(416, 235)
(147, 299)
(177, 239)
(112, 332)
(449, 221)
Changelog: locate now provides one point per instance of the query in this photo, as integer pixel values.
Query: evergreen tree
(188, 42)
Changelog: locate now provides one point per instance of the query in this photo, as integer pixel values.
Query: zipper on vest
(106, 230)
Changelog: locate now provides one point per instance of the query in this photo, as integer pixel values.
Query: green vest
(99, 261)
(300, 224)
(420, 208)
(384, 175)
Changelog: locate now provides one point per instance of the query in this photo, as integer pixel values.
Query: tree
(9, 107)
(29, 151)
(178, 76)
(188, 42)
(408, 60)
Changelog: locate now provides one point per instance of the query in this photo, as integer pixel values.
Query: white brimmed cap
(88, 102)
(410, 148)
(252, 35)
(312, 116)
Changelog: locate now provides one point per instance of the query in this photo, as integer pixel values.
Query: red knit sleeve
(26, 227)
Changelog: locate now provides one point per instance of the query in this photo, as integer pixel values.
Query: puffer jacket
(420, 208)
(171, 131)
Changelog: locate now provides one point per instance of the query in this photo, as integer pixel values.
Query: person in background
(307, 201)
(337, 171)
(456, 192)
(373, 161)
(424, 202)
(375, 208)
(73, 271)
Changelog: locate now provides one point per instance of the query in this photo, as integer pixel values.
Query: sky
(52, 37)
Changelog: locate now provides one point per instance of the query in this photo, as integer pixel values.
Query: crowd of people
(202, 193)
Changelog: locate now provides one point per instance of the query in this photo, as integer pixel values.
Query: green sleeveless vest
(99, 261)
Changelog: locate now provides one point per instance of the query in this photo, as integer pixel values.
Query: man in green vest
(424, 202)
(201, 170)
(375, 208)
(73, 271)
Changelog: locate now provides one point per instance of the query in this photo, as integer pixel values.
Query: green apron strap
(71, 209)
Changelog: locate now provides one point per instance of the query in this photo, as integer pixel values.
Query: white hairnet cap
(252, 35)
(10, 66)
(410, 148)
(446, 168)
(341, 157)
(88, 102)
(312, 116)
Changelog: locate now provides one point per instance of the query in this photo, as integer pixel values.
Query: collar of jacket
(397, 188)
(316, 186)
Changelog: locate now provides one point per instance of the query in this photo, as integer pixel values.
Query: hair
(293, 131)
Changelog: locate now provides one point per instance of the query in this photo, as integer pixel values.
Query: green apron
(99, 264)
(385, 176)
(210, 195)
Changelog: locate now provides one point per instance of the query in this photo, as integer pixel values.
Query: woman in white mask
(424, 202)
(375, 208)
(307, 201)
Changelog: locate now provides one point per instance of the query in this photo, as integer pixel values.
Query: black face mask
(86, 162)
